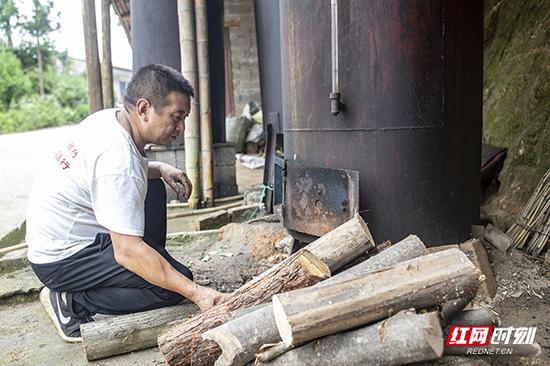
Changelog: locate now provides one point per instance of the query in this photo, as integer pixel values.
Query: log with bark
(478, 255)
(116, 335)
(403, 338)
(241, 338)
(183, 345)
(452, 308)
(126, 333)
(306, 314)
(478, 316)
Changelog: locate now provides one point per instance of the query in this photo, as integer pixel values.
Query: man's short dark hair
(155, 82)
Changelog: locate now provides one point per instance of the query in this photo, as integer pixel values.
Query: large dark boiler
(409, 129)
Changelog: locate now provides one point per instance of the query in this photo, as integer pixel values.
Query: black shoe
(67, 326)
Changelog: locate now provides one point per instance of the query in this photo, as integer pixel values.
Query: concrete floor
(27, 337)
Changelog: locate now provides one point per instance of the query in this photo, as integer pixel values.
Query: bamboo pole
(106, 63)
(205, 113)
(186, 16)
(93, 70)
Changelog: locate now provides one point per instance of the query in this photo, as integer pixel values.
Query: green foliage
(40, 25)
(36, 112)
(70, 91)
(26, 52)
(8, 12)
(517, 82)
(13, 82)
(64, 98)
(515, 98)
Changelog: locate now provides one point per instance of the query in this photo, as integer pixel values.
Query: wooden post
(106, 64)
(93, 71)
(404, 338)
(310, 313)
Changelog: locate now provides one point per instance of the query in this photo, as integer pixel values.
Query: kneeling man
(96, 218)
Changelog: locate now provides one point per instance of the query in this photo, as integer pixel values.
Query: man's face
(168, 123)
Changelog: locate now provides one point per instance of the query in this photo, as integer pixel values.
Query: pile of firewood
(389, 309)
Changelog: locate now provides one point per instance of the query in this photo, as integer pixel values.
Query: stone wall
(239, 18)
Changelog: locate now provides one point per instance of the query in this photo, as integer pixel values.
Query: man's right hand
(206, 298)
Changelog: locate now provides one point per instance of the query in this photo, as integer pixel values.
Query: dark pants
(96, 283)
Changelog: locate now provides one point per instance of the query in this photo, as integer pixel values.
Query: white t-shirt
(94, 182)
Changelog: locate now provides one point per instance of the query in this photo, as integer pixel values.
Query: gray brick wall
(239, 17)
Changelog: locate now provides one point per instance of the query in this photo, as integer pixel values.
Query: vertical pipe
(335, 104)
(201, 22)
(93, 71)
(334, 44)
(186, 19)
(106, 64)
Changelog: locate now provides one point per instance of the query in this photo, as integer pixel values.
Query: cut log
(126, 333)
(452, 308)
(182, 345)
(343, 244)
(310, 313)
(477, 316)
(497, 238)
(440, 248)
(408, 248)
(470, 317)
(116, 335)
(476, 253)
(404, 338)
(240, 339)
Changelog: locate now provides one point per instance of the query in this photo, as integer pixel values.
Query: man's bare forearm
(154, 169)
(151, 266)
